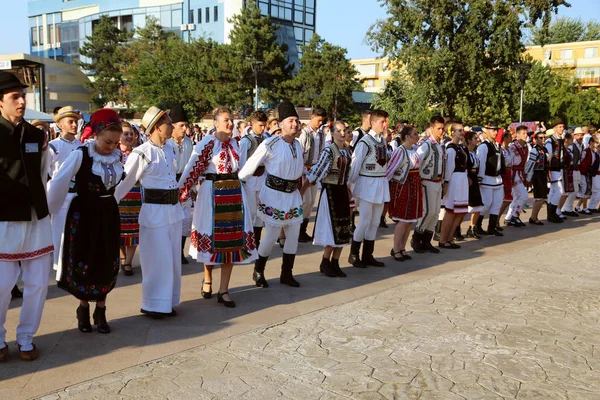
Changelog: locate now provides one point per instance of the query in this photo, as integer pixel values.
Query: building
(58, 28)
(374, 73)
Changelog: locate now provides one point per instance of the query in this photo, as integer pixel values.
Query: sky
(343, 26)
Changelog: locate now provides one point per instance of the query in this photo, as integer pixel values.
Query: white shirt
(59, 150)
(254, 183)
(482, 154)
(183, 152)
(318, 137)
(373, 190)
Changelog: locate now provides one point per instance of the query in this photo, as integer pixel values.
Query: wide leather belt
(281, 185)
(221, 177)
(161, 196)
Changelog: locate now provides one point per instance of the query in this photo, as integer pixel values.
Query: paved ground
(512, 317)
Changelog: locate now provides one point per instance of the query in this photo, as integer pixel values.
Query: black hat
(178, 114)
(492, 125)
(9, 81)
(285, 110)
(559, 121)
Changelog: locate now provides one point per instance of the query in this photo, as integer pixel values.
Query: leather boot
(367, 254)
(183, 259)
(326, 268)
(383, 222)
(493, 223)
(304, 238)
(479, 228)
(552, 217)
(259, 272)
(100, 320)
(287, 265)
(83, 319)
(438, 229)
(458, 235)
(354, 256)
(335, 265)
(257, 233)
(427, 236)
(417, 242)
(472, 234)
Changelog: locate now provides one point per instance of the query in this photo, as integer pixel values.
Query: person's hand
(445, 189)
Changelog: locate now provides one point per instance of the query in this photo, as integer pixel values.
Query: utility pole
(255, 64)
(523, 70)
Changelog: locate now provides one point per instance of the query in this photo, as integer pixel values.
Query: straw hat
(578, 131)
(151, 117)
(65, 112)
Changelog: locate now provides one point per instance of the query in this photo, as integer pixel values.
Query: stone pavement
(501, 318)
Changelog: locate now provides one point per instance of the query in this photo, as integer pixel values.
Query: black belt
(161, 196)
(282, 185)
(221, 177)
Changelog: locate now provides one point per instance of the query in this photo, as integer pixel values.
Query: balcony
(589, 81)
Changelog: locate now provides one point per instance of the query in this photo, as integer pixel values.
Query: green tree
(325, 78)
(565, 30)
(463, 53)
(103, 47)
(253, 37)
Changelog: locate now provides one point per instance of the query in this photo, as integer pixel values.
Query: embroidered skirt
(129, 208)
(568, 183)
(332, 224)
(456, 199)
(406, 200)
(507, 181)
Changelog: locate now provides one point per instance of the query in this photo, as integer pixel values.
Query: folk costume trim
(199, 167)
(26, 256)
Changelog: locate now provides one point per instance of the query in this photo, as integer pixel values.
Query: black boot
(382, 222)
(304, 238)
(259, 272)
(493, 223)
(335, 265)
(552, 217)
(83, 319)
(257, 233)
(417, 242)
(100, 320)
(326, 268)
(427, 246)
(287, 265)
(367, 254)
(471, 233)
(183, 259)
(354, 257)
(438, 229)
(458, 235)
(15, 293)
(479, 228)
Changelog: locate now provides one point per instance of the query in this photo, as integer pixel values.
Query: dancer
(555, 148)
(491, 168)
(507, 176)
(475, 201)
(519, 153)
(537, 173)
(576, 150)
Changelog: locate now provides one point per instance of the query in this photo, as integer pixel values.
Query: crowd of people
(91, 196)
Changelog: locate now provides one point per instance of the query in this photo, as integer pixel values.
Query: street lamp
(255, 64)
(523, 71)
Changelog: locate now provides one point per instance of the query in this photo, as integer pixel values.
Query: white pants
(308, 200)
(569, 203)
(160, 257)
(368, 221)
(520, 195)
(492, 197)
(432, 196)
(556, 188)
(36, 274)
(252, 199)
(595, 199)
(272, 233)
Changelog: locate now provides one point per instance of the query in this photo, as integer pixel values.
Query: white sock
(27, 347)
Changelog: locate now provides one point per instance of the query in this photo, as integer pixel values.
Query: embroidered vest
(401, 172)
(540, 161)
(576, 150)
(340, 166)
(491, 164)
(557, 161)
(375, 162)
(433, 162)
(255, 141)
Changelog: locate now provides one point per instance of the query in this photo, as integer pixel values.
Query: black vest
(491, 164)
(21, 185)
(556, 162)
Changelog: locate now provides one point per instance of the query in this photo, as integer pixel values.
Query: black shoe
(382, 222)
(458, 235)
(335, 265)
(406, 256)
(287, 266)
(83, 319)
(587, 212)
(493, 226)
(354, 256)
(552, 217)
(184, 260)
(326, 268)
(367, 254)
(100, 320)
(472, 234)
(571, 214)
(226, 303)
(154, 314)
(417, 242)
(304, 237)
(499, 228)
(427, 236)
(258, 276)
(448, 245)
(126, 271)
(206, 295)
(518, 221)
(534, 222)
(397, 255)
(16, 293)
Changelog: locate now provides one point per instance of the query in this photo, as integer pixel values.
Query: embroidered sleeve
(423, 151)
(134, 170)
(394, 163)
(533, 155)
(322, 168)
(194, 169)
(450, 162)
(358, 158)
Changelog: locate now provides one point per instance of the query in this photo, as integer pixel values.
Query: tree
(463, 53)
(253, 37)
(104, 50)
(326, 78)
(565, 30)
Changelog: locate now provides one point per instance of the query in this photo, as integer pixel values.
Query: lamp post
(523, 70)
(255, 64)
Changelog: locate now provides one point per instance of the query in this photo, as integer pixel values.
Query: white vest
(375, 162)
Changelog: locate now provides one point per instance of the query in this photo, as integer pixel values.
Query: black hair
(521, 128)
(407, 130)
(318, 112)
(259, 116)
(378, 114)
(437, 119)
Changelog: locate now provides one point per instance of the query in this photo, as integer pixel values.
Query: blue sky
(344, 26)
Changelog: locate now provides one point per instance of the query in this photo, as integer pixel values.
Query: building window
(216, 16)
(566, 54)
(207, 15)
(591, 52)
(383, 83)
(310, 19)
(199, 15)
(370, 83)
(126, 23)
(34, 36)
(191, 19)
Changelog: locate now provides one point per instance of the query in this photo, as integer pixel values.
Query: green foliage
(565, 30)
(104, 49)
(326, 78)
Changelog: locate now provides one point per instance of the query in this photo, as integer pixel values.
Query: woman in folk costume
(455, 187)
(590, 169)
(569, 168)
(537, 173)
(406, 194)
(505, 138)
(332, 224)
(90, 257)
(129, 207)
(222, 231)
(475, 201)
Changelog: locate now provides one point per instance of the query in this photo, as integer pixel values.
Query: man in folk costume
(183, 149)
(312, 140)
(577, 151)
(363, 129)
(368, 175)
(248, 145)
(280, 202)
(153, 165)
(60, 148)
(520, 155)
(25, 226)
(491, 161)
(431, 167)
(555, 147)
